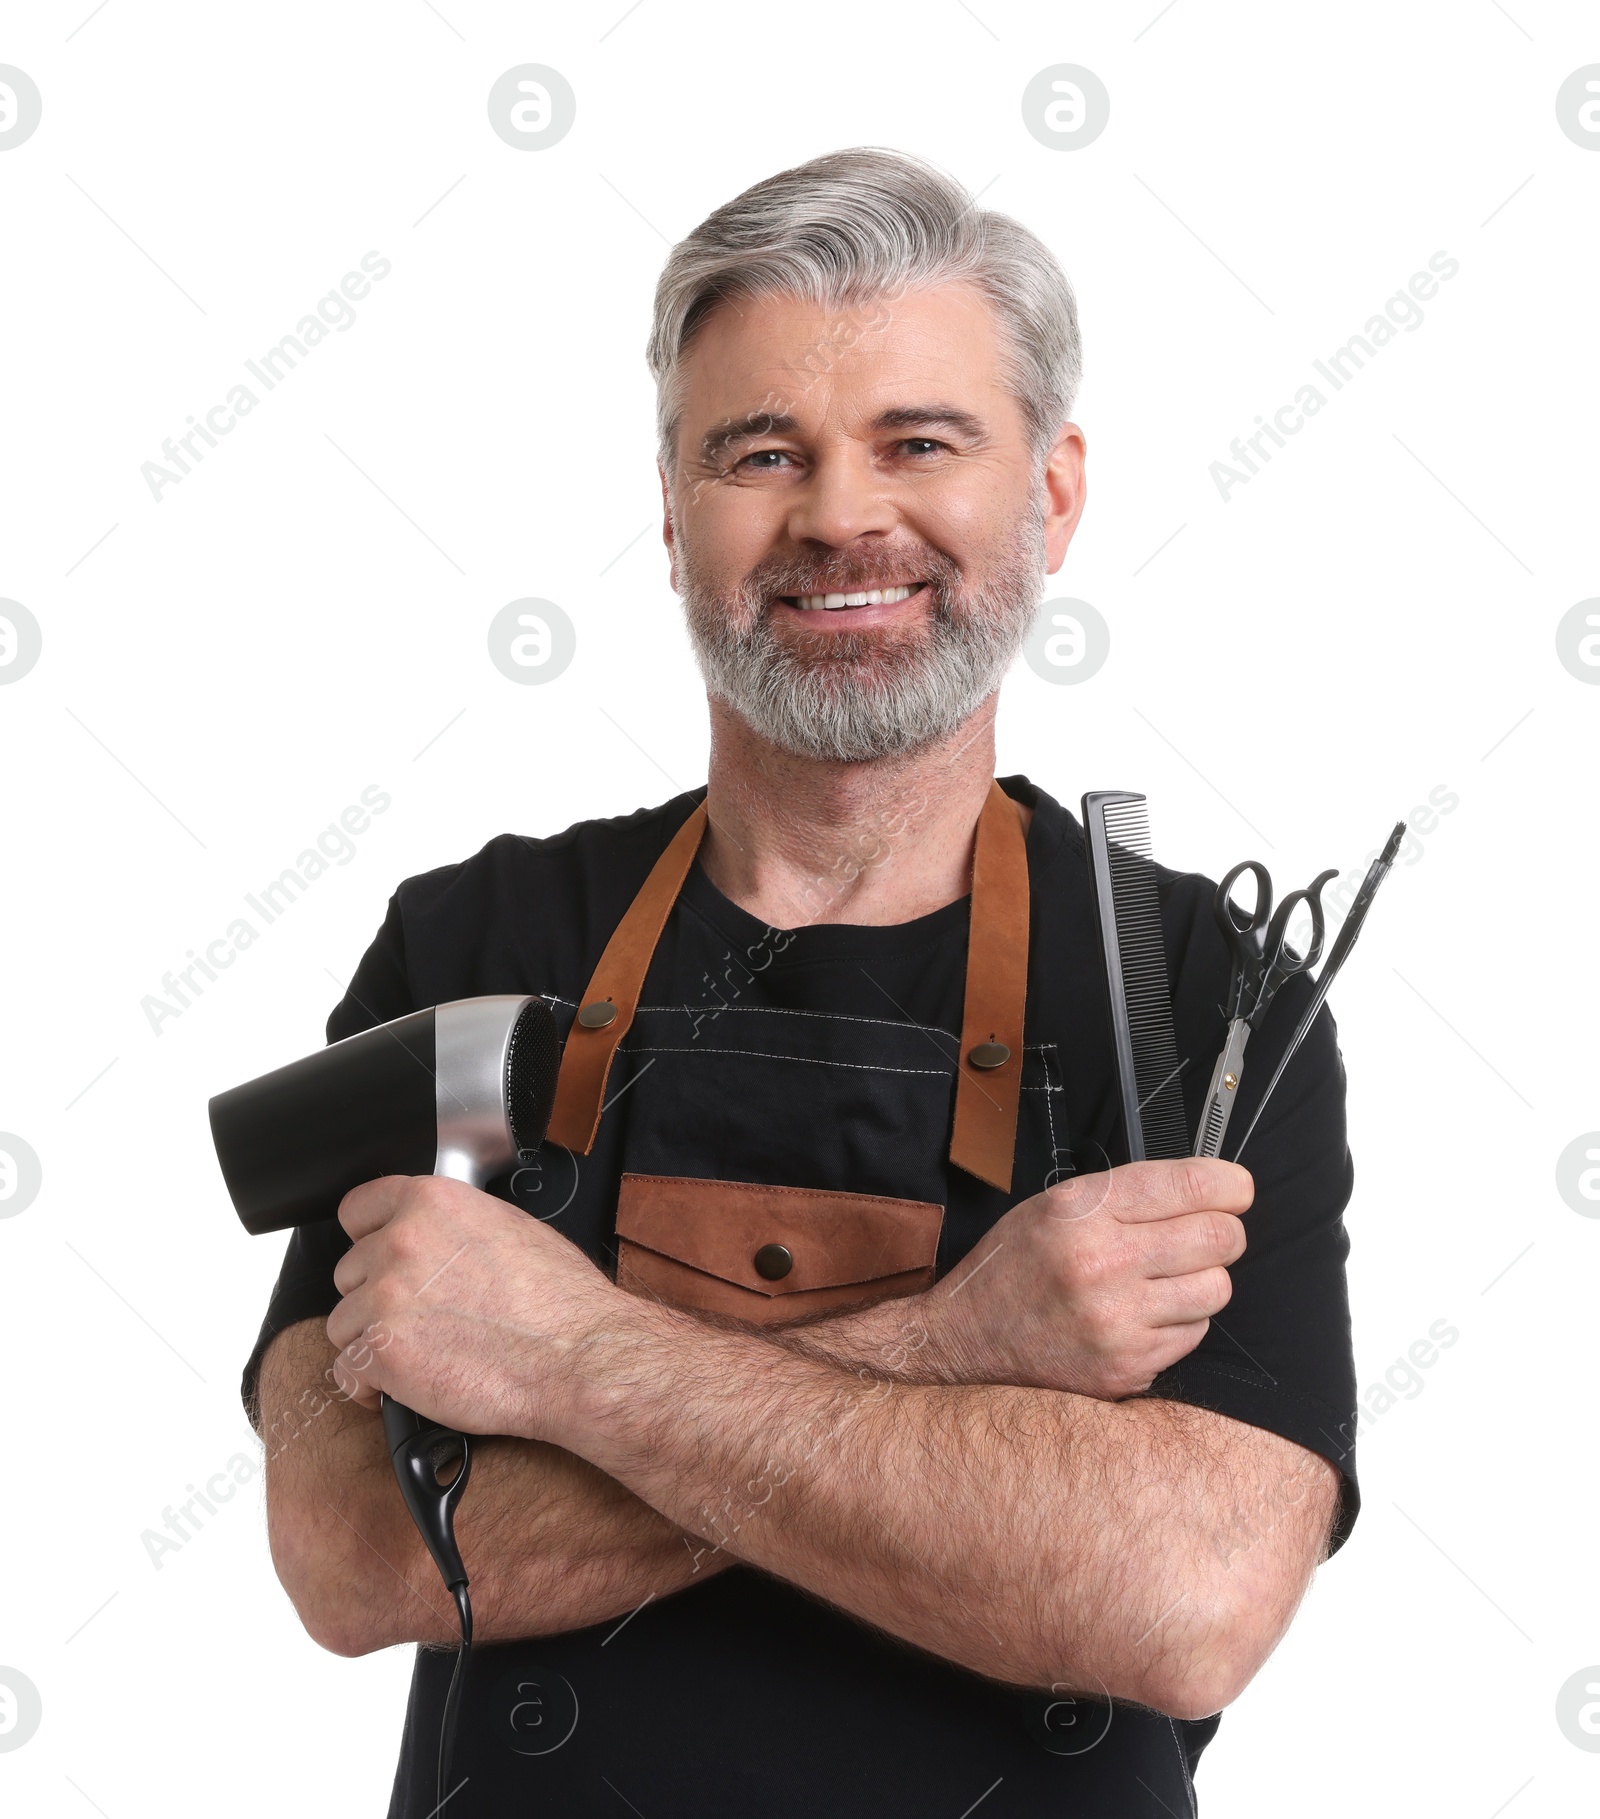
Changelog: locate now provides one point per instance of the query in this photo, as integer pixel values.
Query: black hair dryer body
(463, 1090)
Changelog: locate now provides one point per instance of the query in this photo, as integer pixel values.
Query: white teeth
(873, 596)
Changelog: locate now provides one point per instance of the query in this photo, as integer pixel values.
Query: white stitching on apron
(784, 1010)
(1183, 1764)
(753, 1054)
(1056, 1172)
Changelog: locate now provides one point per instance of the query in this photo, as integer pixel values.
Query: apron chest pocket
(769, 1254)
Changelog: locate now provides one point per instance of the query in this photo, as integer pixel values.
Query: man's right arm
(1093, 1287)
(552, 1543)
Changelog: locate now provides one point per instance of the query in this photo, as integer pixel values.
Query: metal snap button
(596, 1016)
(774, 1261)
(989, 1054)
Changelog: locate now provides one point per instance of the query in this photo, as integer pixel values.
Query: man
(866, 1443)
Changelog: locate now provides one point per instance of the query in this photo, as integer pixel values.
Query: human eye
(761, 461)
(921, 447)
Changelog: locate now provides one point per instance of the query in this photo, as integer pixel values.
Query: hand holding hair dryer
(464, 1090)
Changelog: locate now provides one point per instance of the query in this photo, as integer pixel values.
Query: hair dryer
(463, 1090)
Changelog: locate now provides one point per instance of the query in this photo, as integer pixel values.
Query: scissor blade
(1223, 1091)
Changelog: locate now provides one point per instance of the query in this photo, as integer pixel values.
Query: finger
(352, 1269)
(1157, 1190)
(354, 1388)
(348, 1322)
(372, 1205)
(1185, 1243)
(1175, 1342)
(1177, 1300)
(348, 1380)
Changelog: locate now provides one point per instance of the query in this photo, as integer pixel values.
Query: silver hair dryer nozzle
(462, 1090)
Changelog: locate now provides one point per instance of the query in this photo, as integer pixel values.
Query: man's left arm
(1146, 1550)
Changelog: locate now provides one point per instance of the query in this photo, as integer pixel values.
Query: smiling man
(864, 1442)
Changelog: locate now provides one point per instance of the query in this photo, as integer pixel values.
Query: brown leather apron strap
(607, 1009)
(989, 1084)
(989, 1080)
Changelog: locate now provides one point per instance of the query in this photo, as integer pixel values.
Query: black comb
(1123, 879)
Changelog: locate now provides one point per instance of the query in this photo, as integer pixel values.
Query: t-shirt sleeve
(379, 992)
(1279, 1355)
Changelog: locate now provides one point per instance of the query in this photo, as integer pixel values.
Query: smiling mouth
(870, 596)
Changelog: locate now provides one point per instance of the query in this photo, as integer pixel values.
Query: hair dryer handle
(419, 1449)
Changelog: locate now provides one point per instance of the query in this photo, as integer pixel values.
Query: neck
(797, 841)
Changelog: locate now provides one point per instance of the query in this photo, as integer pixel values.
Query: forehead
(819, 363)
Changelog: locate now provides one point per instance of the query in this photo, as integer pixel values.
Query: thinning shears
(1263, 961)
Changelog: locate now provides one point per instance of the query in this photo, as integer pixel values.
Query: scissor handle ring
(1225, 907)
(1278, 931)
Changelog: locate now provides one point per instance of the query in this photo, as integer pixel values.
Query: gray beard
(853, 697)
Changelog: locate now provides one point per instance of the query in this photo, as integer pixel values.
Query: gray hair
(856, 225)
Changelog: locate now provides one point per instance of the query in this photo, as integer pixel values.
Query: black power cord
(420, 1450)
(452, 1698)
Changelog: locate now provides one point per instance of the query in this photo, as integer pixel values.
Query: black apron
(875, 1184)
(739, 1215)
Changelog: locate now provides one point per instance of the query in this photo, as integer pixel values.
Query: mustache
(769, 582)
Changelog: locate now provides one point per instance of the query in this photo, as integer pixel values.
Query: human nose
(841, 499)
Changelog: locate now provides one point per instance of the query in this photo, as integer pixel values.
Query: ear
(1066, 489)
(667, 529)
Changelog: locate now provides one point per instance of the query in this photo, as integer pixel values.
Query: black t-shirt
(825, 1057)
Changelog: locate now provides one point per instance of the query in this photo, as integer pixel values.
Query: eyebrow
(755, 424)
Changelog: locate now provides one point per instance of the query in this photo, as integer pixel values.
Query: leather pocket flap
(832, 1239)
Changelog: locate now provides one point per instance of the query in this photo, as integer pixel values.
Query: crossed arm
(959, 1468)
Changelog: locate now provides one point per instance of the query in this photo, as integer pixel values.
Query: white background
(1369, 618)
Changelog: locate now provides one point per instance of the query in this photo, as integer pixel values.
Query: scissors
(1342, 944)
(1263, 961)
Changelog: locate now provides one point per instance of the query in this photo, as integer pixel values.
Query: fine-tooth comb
(1123, 880)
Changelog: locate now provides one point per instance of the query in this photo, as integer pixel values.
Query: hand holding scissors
(1262, 962)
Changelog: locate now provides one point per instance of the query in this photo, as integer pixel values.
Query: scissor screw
(1230, 1081)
